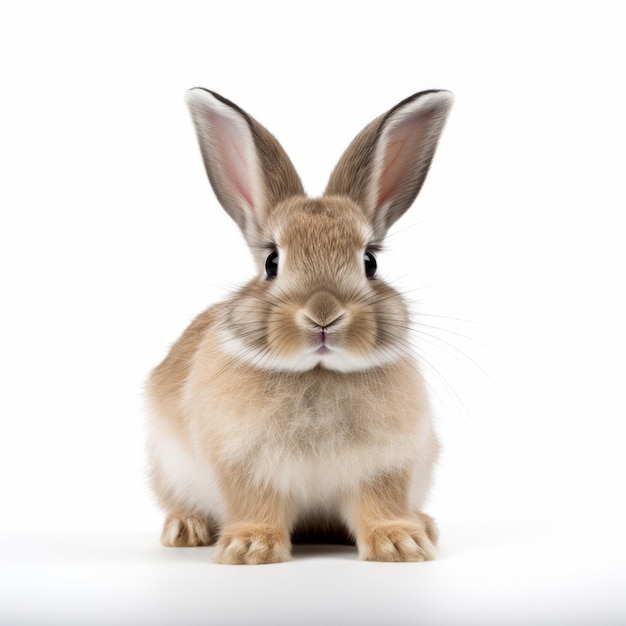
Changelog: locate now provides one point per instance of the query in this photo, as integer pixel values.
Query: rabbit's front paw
(186, 530)
(252, 545)
(396, 541)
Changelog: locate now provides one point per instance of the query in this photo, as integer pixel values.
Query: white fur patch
(335, 359)
(188, 476)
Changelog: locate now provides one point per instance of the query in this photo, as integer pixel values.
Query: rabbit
(296, 406)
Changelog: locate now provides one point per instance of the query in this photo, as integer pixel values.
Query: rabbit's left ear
(248, 169)
(385, 166)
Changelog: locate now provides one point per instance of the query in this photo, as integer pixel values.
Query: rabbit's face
(317, 301)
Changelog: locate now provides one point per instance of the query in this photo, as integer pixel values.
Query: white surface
(486, 575)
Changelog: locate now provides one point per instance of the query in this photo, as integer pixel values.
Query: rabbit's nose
(324, 310)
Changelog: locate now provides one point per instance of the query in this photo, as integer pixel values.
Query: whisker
(413, 327)
(447, 317)
(456, 397)
(451, 332)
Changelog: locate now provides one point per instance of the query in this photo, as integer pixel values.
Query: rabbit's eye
(271, 264)
(370, 264)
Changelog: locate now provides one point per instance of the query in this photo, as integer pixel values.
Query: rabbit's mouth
(323, 341)
(322, 344)
(322, 337)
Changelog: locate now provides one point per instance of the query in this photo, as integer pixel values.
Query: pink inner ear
(234, 158)
(402, 156)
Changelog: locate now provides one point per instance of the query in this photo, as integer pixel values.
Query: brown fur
(296, 407)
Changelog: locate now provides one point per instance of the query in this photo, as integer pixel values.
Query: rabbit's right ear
(385, 165)
(248, 169)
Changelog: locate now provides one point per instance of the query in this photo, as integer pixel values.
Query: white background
(111, 239)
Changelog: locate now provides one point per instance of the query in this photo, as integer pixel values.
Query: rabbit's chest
(324, 451)
(308, 432)
(316, 421)
(316, 440)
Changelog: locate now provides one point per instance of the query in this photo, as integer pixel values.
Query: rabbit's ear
(247, 167)
(385, 165)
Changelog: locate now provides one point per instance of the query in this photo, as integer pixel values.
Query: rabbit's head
(317, 300)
